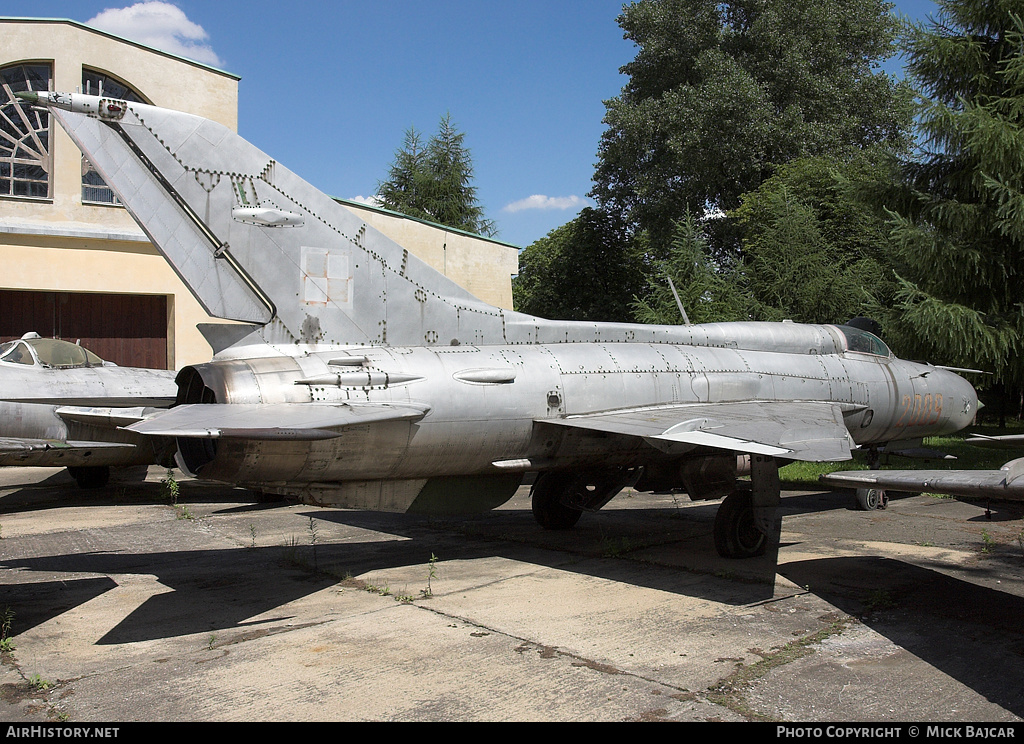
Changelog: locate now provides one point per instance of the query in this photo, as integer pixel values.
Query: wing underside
(794, 430)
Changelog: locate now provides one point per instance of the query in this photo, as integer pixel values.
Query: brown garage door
(130, 330)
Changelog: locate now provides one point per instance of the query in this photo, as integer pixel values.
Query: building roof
(115, 37)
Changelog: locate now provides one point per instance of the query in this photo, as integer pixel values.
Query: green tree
(814, 250)
(707, 291)
(403, 189)
(958, 220)
(720, 93)
(435, 181)
(587, 269)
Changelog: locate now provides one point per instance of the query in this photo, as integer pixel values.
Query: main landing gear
(747, 520)
(869, 499)
(745, 526)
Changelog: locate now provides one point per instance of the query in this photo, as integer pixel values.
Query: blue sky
(330, 88)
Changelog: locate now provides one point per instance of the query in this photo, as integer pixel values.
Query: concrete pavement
(125, 607)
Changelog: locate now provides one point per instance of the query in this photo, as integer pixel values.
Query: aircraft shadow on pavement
(58, 491)
(34, 603)
(968, 631)
(658, 548)
(212, 590)
(663, 549)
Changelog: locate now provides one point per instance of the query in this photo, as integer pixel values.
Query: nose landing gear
(869, 499)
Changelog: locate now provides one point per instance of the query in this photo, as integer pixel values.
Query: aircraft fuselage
(488, 404)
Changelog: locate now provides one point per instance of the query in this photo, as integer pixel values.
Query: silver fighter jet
(360, 377)
(63, 406)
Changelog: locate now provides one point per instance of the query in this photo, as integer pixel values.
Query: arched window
(24, 133)
(94, 83)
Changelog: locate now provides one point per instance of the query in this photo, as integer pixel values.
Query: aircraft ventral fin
(299, 421)
(792, 430)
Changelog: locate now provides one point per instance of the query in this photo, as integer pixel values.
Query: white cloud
(159, 25)
(539, 201)
(372, 201)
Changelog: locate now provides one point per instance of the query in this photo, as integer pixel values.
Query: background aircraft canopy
(33, 350)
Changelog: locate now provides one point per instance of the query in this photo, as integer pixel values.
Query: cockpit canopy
(863, 342)
(33, 350)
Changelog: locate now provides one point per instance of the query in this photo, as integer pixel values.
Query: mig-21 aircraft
(63, 406)
(363, 378)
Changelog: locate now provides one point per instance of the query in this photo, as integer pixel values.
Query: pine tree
(707, 291)
(959, 219)
(401, 192)
(435, 182)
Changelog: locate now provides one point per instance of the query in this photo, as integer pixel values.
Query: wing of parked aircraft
(797, 430)
(1006, 441)
(1007, 483)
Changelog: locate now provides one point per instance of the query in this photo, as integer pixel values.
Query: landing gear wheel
(736, 532)
(869, 499)
(546, 497)
(91, 476)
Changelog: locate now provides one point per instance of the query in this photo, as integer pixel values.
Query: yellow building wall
(63, 244)
(481, 266)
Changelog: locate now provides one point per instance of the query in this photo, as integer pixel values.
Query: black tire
(869, 499)
(736, 532)
(546, 498)
(90, 476)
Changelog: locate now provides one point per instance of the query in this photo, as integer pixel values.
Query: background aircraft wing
(1007, 483)
(270, 420)
(787, 429)
(1007, 441)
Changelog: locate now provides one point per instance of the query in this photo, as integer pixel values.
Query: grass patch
(729, 691)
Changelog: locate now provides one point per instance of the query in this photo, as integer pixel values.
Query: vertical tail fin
(255, 243)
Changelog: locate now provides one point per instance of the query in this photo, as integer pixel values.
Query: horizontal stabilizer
(792, 430)
(920, 453)
(13, 445)
(299, 421)
(54, 452)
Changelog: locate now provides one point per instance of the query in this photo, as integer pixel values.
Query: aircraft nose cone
(962, 399)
